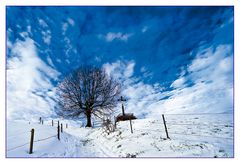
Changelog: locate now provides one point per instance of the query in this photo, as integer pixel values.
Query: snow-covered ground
(190, 136)
(45, 144)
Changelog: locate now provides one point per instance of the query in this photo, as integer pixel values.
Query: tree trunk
(89, 123)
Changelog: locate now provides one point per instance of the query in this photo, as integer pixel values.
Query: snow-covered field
(190, 136)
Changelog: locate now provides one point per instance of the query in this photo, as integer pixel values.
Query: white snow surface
(190, 136)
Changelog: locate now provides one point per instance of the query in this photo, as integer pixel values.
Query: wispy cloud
(46, 33)
(42, 23)
(178, 83)
(47, 36)
(64, 28)
(207, 87)
(28, 82)
(138, 93)
(120, 69)
(160, 54)
(211, 91)
(70, 22)
(110, 36)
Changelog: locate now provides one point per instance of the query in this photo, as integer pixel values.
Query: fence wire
(18, 146)
(171, 124)
(161, 130)
(43, 139)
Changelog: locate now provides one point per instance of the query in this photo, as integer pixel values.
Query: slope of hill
(190, 136)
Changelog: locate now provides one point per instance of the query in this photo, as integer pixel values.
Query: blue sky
(158, 52)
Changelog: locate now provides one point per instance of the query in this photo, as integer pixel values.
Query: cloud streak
(169, 59)
(111, 36)
(206, 87)
(29, 86)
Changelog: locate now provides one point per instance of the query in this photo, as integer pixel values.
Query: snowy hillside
(190, 136)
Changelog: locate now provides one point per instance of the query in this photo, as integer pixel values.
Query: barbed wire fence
(163, 129)
(169, 132)
(28, 143)
(52, 123)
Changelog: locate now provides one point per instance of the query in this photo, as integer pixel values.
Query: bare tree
(89, 91)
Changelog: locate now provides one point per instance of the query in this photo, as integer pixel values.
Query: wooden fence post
(31, 142)
(61, 128)
(52, 123)
(131, 125)
(58, 132)
(165, 126)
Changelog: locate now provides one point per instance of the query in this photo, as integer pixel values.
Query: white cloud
(212, 92)
(109, 37)
(68, 46)
(27, 74)
(120, 69)
(42, 23)
(46, 36)
(46, 33)
(66, 24)
(129, 69)
(29, 29)
(133, 88)
(226, 64)
(145, 73)
(71, 21)
(24, 34)
(58, 60)
(210, 72)
(49, 60)
(114, 69)
(64, 28)
(178, 83)
(209, 64)
(9, 43)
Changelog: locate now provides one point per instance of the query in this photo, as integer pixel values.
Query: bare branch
(88, 90)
